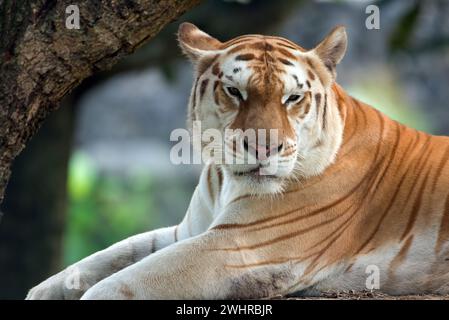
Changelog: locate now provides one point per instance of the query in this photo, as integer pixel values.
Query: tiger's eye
(233, 91)
(293, 98)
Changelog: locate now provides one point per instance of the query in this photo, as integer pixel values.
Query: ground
(368, 295)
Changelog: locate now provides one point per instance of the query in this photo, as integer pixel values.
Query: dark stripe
(382, 124)
(195, 87)
(359, 107)
(203, 87)
(259, 46)
(216, 69)
(216, 83)
(312, 66)
(355, 117)
(234, 146)
(424, 156)
(176, 234)
(381, 175)
(288, 152)
(378, 148)
(296, 219)
(286, 53)
(440, 168)
(220, 179)
(443, 233)
(306, 111)
(318, 99)
(310, 63)
(410, 146)
(240, 39)
(401, 254)
(367, 178)
(205, 64)
(245, 57)
(153, 245)
(297, 80)
(283, 237)
(308, 84)
(390, 205)
(378, 180)
(286, 62)
(317, 260)
(406, 246)
(245, 196)
(287, 46)
(349, 267)
(261, 263)
(286, 43)
(320, 224)
(310, 74)
(384, 214)
(237, 48)
(324, 112)
(416, 206)
(337, 232)
(270, 262)
(254, 223)
(364, 115)
(393, 199)
(209, 183)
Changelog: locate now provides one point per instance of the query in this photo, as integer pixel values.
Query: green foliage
(403, 33)
(104, 209)
(383, 93)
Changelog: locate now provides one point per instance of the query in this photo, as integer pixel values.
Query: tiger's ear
(196, 43)
(332, 49)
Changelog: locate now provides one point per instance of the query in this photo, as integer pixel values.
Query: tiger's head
(275, 88)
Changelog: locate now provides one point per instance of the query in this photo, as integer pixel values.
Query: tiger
(355, 191)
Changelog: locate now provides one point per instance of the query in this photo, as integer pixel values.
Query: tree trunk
(41, 60)
(34, 211)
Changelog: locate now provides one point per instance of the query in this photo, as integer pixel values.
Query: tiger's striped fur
(356, 189)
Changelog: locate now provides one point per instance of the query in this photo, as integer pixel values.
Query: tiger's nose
(261, 152)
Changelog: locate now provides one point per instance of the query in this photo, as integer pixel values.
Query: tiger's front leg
(75, 280)
(197, 268)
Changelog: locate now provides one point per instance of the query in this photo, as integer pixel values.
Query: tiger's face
(271, 99)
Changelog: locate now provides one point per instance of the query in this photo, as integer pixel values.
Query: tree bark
(41, 60)
(32, 227)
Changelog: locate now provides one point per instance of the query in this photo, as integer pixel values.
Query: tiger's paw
(66, 285)
(109, 289)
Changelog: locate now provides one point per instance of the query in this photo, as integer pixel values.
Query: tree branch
(41, 60)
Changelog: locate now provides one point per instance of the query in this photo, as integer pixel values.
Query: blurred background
(99, 171)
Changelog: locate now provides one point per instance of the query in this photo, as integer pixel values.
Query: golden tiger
(354, 189)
